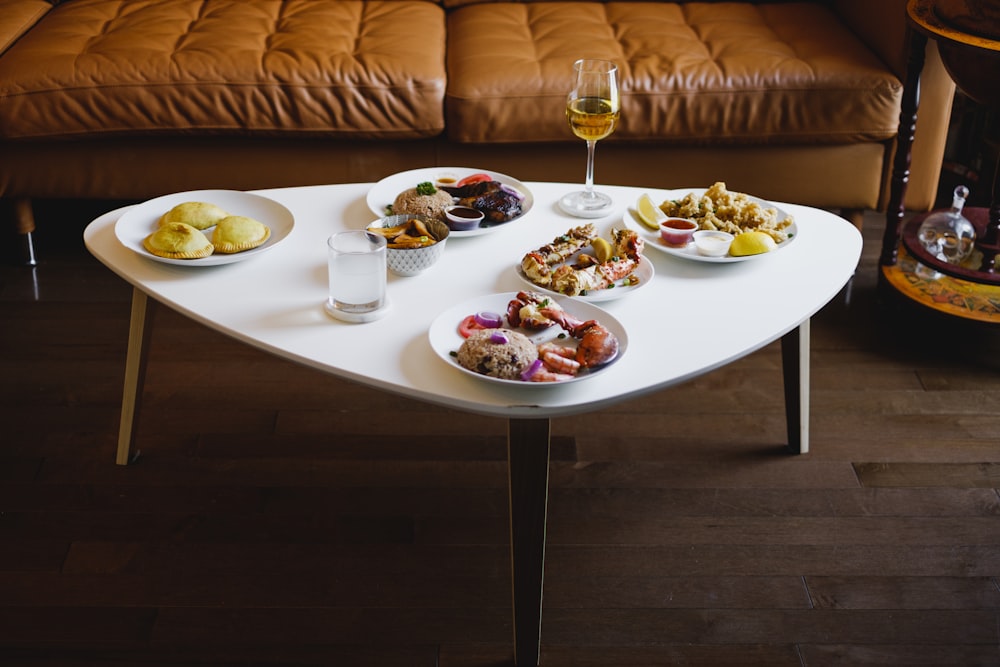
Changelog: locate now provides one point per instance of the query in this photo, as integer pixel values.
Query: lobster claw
(597, 346)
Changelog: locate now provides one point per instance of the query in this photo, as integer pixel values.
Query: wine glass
(592, 109)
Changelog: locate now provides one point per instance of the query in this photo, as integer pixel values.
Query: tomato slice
(473, 178)
(468, 325)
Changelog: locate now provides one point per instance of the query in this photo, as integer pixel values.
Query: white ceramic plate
(653, 240)
(445, 339)
(644, 273)
(143, 219)
(383, 193)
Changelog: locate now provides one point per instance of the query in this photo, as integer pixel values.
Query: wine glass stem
(589, 183)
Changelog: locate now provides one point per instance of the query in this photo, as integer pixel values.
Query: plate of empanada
(204, 227)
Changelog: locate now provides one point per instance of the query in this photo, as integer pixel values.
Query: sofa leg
(24, 225)
(855, 216)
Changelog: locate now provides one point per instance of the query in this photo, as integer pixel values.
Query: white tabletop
(691, 318)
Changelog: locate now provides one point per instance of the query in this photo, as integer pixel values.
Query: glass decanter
(948, 235)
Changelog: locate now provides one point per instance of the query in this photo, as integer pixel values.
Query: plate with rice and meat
(528, 339)
(430, 190)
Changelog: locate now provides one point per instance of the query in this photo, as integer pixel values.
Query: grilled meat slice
(496, 201)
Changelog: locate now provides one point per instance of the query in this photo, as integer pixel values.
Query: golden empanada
(178, 240)
(198, 214)
(237, 233)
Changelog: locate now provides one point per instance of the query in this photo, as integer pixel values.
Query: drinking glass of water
(356, 261)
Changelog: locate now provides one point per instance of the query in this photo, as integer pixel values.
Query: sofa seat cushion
(356, 69)
(725, 73)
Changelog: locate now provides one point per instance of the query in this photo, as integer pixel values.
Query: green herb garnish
(426, 188)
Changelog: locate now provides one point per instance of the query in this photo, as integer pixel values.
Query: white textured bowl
(413, 261)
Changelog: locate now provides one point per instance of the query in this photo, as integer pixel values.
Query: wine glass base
(587, 204)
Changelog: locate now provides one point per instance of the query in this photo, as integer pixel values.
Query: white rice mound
(433, 206)
(500, 360)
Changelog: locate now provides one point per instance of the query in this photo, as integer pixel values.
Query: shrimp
(545, 375)
(559, 358)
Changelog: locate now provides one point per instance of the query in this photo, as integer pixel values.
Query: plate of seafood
(582, 264)
(717, 208)
(615, 289)
(429, 191)
(528, 339)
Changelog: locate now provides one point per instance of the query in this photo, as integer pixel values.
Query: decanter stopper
(958, 200)
(949, 235)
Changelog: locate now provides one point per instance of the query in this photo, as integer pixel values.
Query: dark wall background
(970, 157)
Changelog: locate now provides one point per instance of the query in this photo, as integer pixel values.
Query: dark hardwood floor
(276, 516)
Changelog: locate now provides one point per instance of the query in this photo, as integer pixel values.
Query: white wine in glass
(592, 109)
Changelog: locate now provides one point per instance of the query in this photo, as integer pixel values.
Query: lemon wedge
(751, 243)
(649, 213)
(602, 249)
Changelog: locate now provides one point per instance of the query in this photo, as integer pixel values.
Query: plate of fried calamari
(428, 191)
(582, 264)
(528, 339)
(204, 227)
(717, 208)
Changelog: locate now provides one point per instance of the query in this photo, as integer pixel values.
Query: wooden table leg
(795, 372)
(140, 328)
(528, 465)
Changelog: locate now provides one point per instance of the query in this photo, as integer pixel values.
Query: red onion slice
(489, 320)
(513, 191)
(530, 371)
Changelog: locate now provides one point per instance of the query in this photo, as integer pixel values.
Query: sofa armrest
(881, 25)
(17, 18)
(885, 28)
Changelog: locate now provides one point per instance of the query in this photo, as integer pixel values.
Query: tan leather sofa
(129, 99)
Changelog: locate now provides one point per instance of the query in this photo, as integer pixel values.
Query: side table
(941, 292)
(971, 59)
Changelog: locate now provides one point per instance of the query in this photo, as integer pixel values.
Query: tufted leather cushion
(734, 73)
(17, 16)
(358, 69)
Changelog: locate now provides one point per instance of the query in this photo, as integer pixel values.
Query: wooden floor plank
(356, 655)
(612, 627)
(874, 592)
(734, 655)
(778, 560)
(911, 655)
(904, 473)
